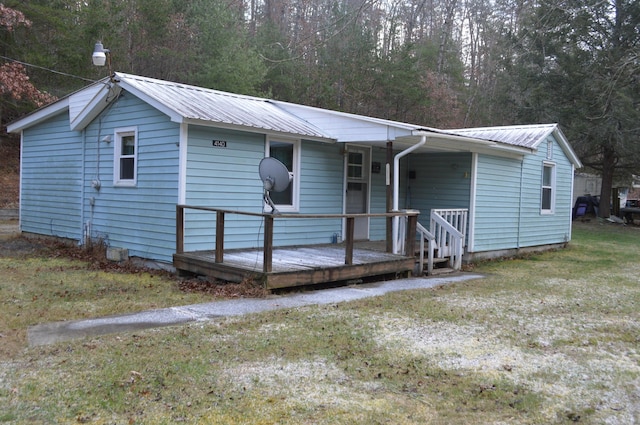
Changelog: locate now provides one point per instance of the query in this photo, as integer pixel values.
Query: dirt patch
(95, 256)
(9, 172)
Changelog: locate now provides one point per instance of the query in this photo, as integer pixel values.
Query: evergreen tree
(578, 63)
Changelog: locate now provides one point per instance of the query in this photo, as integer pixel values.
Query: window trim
(552, 187)
(295, 190)
(117, 156)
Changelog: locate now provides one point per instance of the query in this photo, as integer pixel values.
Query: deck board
(295, 266)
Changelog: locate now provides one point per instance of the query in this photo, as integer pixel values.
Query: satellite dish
(275, 176)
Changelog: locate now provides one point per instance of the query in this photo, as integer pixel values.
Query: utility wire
(47, 69)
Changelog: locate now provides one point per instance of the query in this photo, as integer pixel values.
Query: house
(112, 161)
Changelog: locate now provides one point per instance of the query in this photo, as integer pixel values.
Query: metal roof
(527, 136)
(198, 104)
(188, 104)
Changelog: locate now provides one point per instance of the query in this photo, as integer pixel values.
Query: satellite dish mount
(275, 177)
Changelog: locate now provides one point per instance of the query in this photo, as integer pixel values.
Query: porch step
(441, 270)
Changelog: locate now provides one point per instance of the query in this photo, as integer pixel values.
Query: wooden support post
(348, 255)
(389, 173)
(219, 237)
(179, 229)
(410, 244)
(267, 258)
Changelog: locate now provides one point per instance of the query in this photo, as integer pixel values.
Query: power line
(47, 69)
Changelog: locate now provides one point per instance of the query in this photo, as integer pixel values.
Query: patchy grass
(552, 338)
(46, 281)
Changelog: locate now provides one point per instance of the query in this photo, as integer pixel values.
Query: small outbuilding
(152, 167)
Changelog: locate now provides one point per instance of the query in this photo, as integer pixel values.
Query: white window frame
(551, 186)
(117, 156)
(295, 181)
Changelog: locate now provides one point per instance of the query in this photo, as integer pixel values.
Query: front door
(357, 200)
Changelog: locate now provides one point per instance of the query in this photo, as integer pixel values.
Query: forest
(438, 63)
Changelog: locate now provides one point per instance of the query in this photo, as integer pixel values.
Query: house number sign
(219, 143)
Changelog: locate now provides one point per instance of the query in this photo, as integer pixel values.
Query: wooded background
(438, 63)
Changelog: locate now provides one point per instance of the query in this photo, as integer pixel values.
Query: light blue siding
(140, 218)
(442, 180)
(228, 178)
(497, 209)
(542, 229)
(508, 202)
(51, 179)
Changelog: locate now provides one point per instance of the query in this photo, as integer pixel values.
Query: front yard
(551, 338)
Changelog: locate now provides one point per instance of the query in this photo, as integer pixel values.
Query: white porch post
(396, 185)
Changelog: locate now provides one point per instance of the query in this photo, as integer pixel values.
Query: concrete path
(49, 333)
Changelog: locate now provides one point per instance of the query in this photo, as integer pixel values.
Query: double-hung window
(125, 157)
(548, 192)
(287, 152)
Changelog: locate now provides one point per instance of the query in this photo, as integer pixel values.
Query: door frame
(366, 150)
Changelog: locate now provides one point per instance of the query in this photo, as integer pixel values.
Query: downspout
(520, 204)
(396, 186)
(83, 227)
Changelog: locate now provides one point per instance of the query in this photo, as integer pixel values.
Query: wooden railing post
(219, 237)
(267, 257)
(348, 255)
(410, 244)
(179, 229)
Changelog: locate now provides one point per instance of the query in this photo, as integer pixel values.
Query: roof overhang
(249, 129)
(441, 141)
(38, 116)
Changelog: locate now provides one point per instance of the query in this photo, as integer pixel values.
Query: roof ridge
(189, 86)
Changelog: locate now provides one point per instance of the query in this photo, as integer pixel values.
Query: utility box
(117, 254)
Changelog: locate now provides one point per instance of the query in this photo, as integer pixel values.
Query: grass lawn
(553, 338)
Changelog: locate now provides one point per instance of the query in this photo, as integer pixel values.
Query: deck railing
(410, 234)
(448, 226)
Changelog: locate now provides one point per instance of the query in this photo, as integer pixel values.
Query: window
(548, 188)
(287, 152)
(125, 157)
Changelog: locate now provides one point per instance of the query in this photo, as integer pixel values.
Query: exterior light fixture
(99, 56)
(102, 56)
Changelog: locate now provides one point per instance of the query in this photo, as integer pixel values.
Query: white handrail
(426, 235)
(449, 228)
(446, 234)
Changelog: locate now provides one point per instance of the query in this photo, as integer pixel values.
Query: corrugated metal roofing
(527, 136)
(207, 105)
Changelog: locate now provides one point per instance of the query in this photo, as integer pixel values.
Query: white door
(357, 199)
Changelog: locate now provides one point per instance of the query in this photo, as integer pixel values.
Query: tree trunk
(608, 168)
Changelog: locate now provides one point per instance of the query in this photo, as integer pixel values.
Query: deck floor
(296, 266)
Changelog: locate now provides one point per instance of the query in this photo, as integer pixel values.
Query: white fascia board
(38, 116)
(94, 107)
(566, 147)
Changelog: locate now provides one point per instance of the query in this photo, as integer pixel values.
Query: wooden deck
(281, 267)
(296, 266)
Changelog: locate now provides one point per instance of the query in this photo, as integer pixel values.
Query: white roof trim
(39, 115)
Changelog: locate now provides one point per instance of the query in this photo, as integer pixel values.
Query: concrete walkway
(49, 333)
